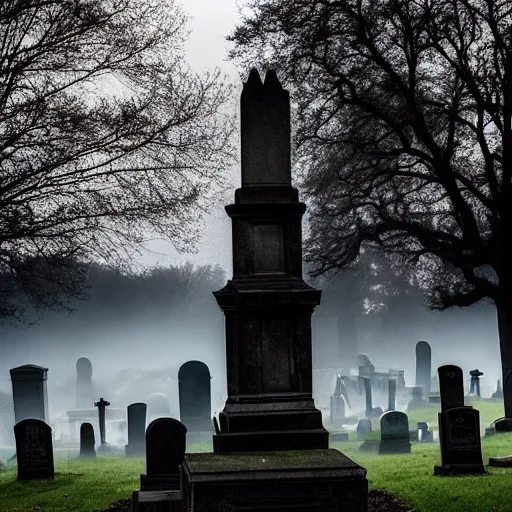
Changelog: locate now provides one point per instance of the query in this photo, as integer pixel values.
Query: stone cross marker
(394, 433)
(165, 451)
(87, 450)
(101, 417)
(34, 449)
(451, 386)
(136, 414)
(474, 386)
(423, 366)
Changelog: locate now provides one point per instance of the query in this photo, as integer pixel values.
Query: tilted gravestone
(459, 427)
(87, 450)
(136, 414)
(195, 397)
(394, 433)
(34, 449)
(423, 366)
(165, 450)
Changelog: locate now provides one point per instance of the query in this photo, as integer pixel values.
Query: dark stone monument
(29, 392)
(451, 387)
(474, 385)
(394, 433)
(165, 449)
(505, 424)
(270, 410)
(34, 450)
(84, 388)
(423, 366)
(136, 414)
(101, 418)
(364, 425)
(368, 396)
(195, 398)
(391, 394)
(459, 427)
(338, 403)
(87, 450)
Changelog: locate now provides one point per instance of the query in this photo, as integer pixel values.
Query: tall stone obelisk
(271, 451)
(267, 304)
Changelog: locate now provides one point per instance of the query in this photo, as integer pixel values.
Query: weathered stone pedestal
(298, 481)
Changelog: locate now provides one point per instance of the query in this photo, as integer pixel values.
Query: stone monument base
(160, 482)
(156, 501)
(314, 439)
(298, 481)
(388, 447)
(459, 469)
(501, 462)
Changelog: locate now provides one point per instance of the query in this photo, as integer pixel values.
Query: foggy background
(137, 353)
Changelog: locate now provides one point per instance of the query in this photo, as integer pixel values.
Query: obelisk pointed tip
(254, 79)
(271, 79)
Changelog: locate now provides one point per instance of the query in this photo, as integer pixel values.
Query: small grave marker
(87, 450)
(394, 433)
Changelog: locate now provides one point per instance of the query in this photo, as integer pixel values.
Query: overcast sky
(206, 48)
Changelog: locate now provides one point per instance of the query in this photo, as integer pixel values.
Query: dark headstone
(195, 400)
(459, 435)
(394, 433)
(451, 386)
(87, 450)
(165, 449)
(34, 449)
(364, 425)
(502, 425)
(391, 394)
(29, 392)
(423, 366)
(507, 394)
(84, 388)
(136, 414)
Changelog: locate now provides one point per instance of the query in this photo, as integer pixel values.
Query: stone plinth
(308, 481)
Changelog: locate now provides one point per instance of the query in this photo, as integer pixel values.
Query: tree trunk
(504, 309)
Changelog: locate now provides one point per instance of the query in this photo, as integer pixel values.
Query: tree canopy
(107, 137)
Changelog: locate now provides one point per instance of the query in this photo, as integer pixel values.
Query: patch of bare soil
(378, 501)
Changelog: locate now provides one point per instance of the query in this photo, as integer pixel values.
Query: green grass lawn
(87, 486)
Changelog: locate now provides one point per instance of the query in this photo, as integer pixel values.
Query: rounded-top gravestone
(84, 388)
(195, 397)
(451, 386)
(165, 446)
(87, 441)
(364, 425)
(34, 449)
(423, 366)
